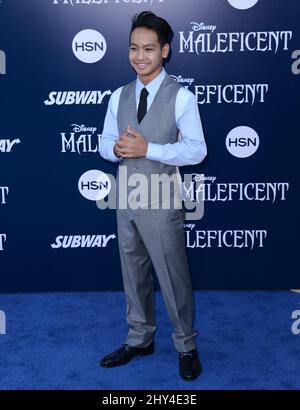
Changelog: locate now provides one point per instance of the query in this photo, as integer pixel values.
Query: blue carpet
(56, 340)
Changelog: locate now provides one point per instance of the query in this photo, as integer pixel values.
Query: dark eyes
(147, 49)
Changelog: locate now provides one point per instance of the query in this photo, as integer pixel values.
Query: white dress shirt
(190, 148)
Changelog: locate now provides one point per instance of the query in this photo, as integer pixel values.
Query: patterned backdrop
(60, 60)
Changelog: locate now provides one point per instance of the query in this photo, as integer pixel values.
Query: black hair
(149, 20)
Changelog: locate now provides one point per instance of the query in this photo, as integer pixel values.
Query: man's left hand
(134, 145)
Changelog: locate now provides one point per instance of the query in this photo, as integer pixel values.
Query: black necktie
(142, 109)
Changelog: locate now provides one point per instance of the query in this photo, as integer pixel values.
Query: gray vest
(150, 180)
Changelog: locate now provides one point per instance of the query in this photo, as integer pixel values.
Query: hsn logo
(242, 141)
(89, 46)
(242, 4)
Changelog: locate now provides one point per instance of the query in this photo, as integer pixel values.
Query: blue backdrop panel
(240, 57)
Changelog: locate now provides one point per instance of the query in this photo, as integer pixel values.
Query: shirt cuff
(154, 151)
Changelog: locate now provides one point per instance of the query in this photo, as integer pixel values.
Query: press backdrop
(60, 60)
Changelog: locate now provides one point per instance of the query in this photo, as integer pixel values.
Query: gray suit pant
(155, 238)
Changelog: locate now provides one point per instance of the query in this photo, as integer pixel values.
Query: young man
(141, 131)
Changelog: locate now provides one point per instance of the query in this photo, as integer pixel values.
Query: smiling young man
(152, 126)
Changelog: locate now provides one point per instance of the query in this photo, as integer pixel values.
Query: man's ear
(165, 50)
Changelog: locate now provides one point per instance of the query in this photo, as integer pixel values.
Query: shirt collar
(153, 86)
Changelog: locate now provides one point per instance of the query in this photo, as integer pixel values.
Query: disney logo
(202, 26)
(180, 79)
(83, 128)
(202, 177)
(189, 226)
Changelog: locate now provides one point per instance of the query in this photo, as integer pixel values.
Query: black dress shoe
(189, 365)
(125, 354)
